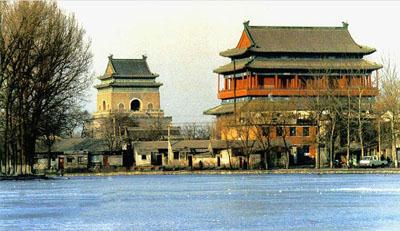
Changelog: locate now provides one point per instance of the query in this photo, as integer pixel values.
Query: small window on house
(279, 131)
(176, 155)
(144, 157)
(70, 159)
(80, 159)
(306, 131)
(292, 131)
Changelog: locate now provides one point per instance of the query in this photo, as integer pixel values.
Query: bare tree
(263, 119)
(390, 94)
(44, 63)
(195, 131)
(245, 131)
(113, 129)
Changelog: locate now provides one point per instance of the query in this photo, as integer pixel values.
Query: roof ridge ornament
(246, 23)
(110, 56)
(144, 57)
(345, 25)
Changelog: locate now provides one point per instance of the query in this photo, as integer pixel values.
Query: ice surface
(203, 202)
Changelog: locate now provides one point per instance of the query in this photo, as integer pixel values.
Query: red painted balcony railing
(365, 91)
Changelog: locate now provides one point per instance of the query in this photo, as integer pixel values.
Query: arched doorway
(104, 105)
(135, 105)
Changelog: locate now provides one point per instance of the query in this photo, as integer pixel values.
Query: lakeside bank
(242, 172)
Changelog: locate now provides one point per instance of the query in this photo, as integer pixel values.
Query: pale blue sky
(183, 39)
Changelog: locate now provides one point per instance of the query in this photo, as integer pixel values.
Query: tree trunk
(48, 157)
(318, 154)
(286, 153)
(265, 160)
(379, 138)
(360, 127)
(394, 153)
(331, 143)
(348, 133)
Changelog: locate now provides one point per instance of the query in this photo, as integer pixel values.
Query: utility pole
(234, 89)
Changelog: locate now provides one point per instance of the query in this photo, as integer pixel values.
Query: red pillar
(276, 81)
(248, 81)
(256, 80)
(369, 81)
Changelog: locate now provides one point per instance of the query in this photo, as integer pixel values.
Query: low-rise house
(150, 153)
(196, 154)
(42, 159)
(112, 160)
(73, 154)
(183, 153)
(230, 154)
(74, 161)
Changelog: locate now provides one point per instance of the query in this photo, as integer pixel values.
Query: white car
(372, 161)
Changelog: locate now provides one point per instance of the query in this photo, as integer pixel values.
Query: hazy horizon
(183, 39)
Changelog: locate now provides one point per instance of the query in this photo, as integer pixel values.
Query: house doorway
(190, 161)
(218, 161)
(61, 163)
(156, 159)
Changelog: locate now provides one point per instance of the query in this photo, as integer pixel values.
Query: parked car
(372, 161)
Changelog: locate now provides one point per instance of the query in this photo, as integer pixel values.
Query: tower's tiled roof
(124, 73)
(129, 68)
(298, 64)
(278, 39)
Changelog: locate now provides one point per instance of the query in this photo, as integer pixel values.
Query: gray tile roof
(131, 67)
(300, 40)
(75, 144)
(298, 64)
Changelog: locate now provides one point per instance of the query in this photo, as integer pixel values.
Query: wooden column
(276, 81)
(296, 81)
(369, 81)
(256, 81)
(248, 81)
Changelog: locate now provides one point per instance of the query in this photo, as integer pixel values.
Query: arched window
(104, 105)
(135, 105)
(150, 106)
(120, 106)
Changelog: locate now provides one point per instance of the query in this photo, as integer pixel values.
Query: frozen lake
(203, 202)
